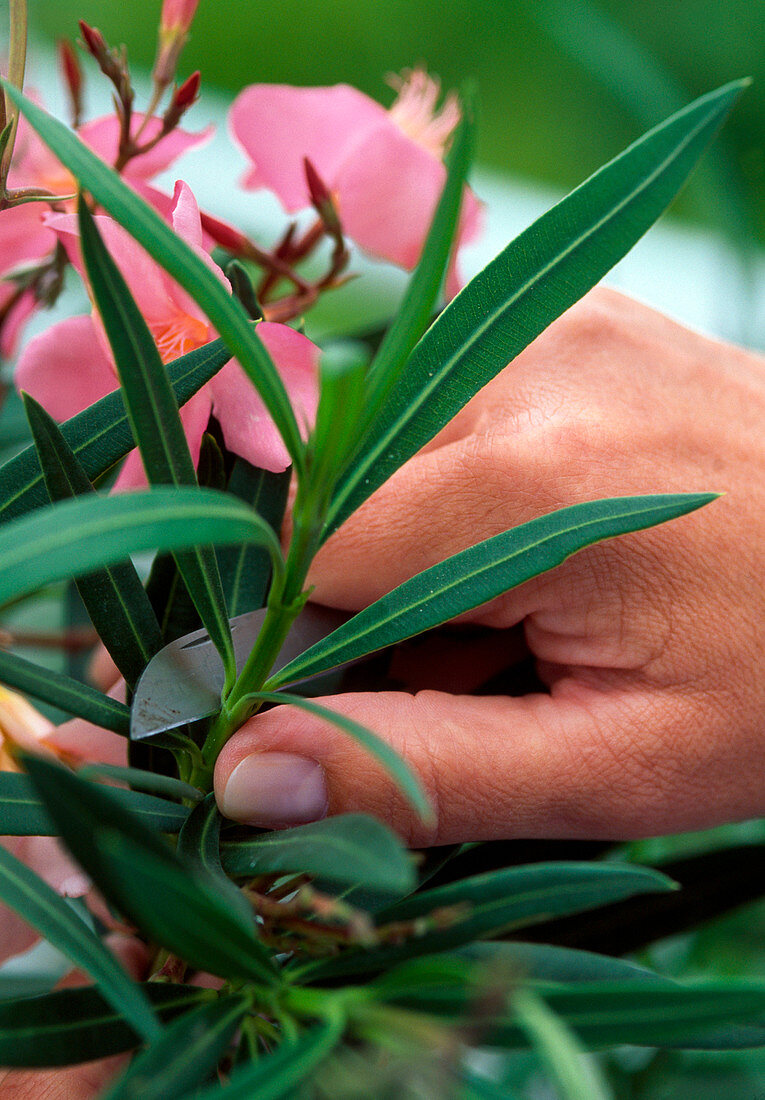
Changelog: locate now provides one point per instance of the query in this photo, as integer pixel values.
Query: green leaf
(603, 1013)
(100, 435)
(547, 963)
(113, 597)
(246, 569)
(77, 536)
(483, 572)
(424, 289)
(348, 850)
(577, 1076)
(146, 881)
(55, 920)
(64, 692)
(278, 1074)
(143, 780)
(342, 404)
(151, 231)
(78, 1025)
(153, 414)
(23, 814)
(709, 1016)
(184, 1055)
(199, 848)
(394, 764)
(535, 279)
(486, 905)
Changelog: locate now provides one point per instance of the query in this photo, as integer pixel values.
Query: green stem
(285, 603)
(16, 68)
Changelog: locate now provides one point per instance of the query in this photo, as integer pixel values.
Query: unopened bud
(94, 41)
(225, 235)
(177, 16)
(322, 199)
(188, 92)
(72, 73)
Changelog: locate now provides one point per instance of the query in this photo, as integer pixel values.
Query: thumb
(577, 763)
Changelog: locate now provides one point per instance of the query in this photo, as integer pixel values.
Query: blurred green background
(564, 84)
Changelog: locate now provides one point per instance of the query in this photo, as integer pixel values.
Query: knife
(183, 682)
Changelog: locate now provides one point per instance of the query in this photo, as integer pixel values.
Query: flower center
(178, 334)
(416, 113)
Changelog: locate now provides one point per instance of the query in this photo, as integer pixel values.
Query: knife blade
(183, 682)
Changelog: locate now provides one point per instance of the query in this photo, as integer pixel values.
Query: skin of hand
(650, 645)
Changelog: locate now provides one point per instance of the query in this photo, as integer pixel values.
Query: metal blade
(183, 682)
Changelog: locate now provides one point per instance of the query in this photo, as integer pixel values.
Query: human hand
(650, 645)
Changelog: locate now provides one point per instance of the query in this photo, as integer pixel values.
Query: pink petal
(277, 125)
(187, 224)
(387, 193)
(247, 428)
(14, 322)
(142, 274)
(90, 743)
(195, 416)
(471, 223)
(23, 236)
(66, 368)
(33, 162)
(102, 135)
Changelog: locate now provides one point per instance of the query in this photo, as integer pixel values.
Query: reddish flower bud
(225, 235)
(72, 73)
(188, 92)
(322, 199)
(94, 41)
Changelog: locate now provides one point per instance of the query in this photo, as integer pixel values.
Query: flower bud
(174, 24)
(322, 199)
(94, 41)
(72, 73)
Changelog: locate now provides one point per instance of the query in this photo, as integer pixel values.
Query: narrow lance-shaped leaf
(485, 905)
(422, 293)
(78, 1025)
(199, 847)
(100, 435)
(539, 275)
(346, 850)
(147, 227)
(143, 781)
(184, 1056)
(246, 569)
(23, 814)
(153, 414)
(64, 692)
(146, 881)
(576, 1073)
(394, 764)
(57, 922)
(77, 536)
(482, 573)
(114, 597)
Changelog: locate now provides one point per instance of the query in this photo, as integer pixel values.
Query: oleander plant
(326, 959)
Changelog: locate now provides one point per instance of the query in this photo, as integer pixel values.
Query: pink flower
(25, 239)
(69, 367)
(384, 168)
